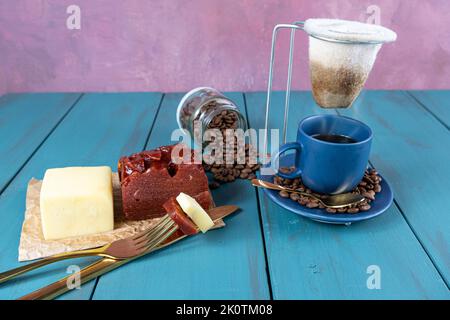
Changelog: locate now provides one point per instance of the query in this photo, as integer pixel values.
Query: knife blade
(105, 265)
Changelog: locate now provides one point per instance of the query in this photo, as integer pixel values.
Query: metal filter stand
(294, 27)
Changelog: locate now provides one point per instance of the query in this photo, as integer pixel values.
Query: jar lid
(348, 31)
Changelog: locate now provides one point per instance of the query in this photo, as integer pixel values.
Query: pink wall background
(170, 45)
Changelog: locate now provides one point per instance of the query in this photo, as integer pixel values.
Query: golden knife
(105, 265)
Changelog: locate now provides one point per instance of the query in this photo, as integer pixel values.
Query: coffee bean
(295, 196)
(303, 202)
(377, 188)
(369, 180)
(353, 210)
(284, 194)
(365, 207)
(330, 210)
(312, 204)
(243, 175)
(368, 195)
(278, 180)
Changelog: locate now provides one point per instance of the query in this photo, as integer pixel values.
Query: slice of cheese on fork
(195, 211)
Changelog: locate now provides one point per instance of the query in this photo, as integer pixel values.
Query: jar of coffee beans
(206, 108)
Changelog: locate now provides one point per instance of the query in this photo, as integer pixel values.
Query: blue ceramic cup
(324, 166)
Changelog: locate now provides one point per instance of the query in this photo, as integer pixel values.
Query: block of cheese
(195, 211)
(76, 201)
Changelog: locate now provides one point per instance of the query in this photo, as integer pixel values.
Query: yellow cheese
(76, 201)
(195, 211)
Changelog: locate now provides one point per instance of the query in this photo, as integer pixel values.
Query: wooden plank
(436, 101)
(25, 121)
(411, 149)
(310, 260)
(99, 129)
(223, 264)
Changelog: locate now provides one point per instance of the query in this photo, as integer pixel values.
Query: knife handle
(59, 287)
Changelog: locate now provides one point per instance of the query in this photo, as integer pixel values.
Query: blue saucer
(382, 202)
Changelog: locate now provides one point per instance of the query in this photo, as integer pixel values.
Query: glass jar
(211, 109)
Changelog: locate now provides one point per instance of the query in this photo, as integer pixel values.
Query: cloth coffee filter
(348, 31)
(341, 56)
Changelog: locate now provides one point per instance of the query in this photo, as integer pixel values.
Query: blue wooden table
(265, 251)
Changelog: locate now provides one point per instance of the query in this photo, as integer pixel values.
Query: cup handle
(288, 146)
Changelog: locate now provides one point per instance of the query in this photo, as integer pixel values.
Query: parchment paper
(33, 245)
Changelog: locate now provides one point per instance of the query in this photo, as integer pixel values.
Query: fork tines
(149, 239)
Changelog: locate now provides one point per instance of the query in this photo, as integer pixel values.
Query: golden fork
(118, 250)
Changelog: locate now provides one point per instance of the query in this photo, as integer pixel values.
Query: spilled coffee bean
(368, 187)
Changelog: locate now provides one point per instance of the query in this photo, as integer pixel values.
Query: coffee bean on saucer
(377, 188)
(294, 196)
(312, 204)
(284, 194)
(303, 201)
(353, 210)
(278, 180)
(368, 195)
(331, 210)
(365, 207)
